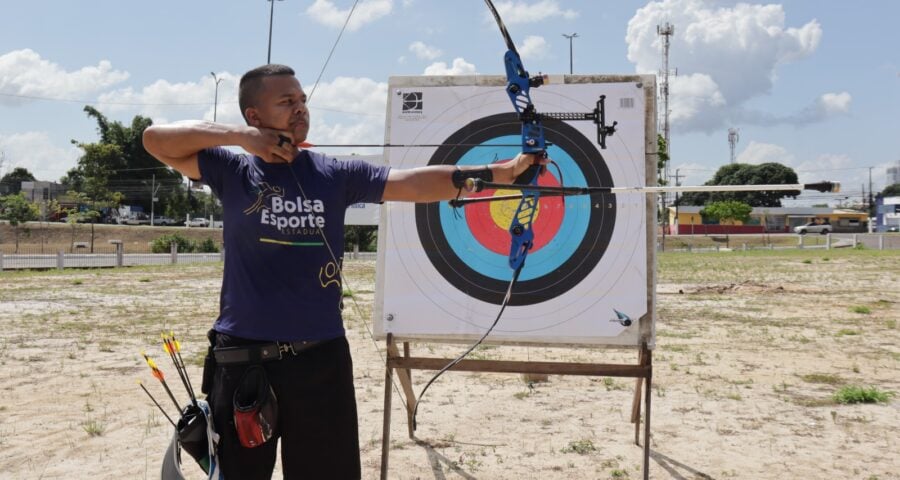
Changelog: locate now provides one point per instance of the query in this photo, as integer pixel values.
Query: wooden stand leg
(386, 426)
(405, 383)
(647, 396)
(636, 402)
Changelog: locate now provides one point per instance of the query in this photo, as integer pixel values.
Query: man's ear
(252, 117)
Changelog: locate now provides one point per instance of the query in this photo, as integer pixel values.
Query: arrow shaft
(157, 404)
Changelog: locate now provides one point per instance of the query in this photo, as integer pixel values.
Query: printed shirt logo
(297, 216)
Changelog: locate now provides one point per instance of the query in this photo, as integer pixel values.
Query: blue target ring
(540, 262)
(564, 261)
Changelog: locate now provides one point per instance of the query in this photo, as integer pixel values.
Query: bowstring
(333, 47)
(340, 265)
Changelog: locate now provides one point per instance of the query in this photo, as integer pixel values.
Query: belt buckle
(285, 348)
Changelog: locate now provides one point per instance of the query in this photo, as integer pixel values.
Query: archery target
(470, 246)
(443, 272)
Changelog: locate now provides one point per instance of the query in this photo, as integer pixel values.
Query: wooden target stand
(404, 365)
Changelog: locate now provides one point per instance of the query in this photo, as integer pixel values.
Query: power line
(163, 104)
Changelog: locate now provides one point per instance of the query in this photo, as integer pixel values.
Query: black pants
(317, 422)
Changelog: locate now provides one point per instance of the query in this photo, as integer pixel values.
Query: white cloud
(737, 49)
(163, 100)
(513, 12)
(695, 99)
(328, 14)
(364, 97)
(351, 94)
(460, 67)
(756, 153)
(24, 72)
(534, 47)
(835, 102)
(424, 51)
(826, 106)
(36, 152)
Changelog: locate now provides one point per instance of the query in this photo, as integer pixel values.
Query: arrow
(477, 185)
(141, 384)
(157, 373)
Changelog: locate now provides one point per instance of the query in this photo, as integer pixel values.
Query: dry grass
(749, 357)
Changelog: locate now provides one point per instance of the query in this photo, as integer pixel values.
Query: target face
(470, 246)
(444, 272)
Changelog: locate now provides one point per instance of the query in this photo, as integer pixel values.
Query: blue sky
(814, 84)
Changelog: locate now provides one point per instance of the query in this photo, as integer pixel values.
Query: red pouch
(255, 408)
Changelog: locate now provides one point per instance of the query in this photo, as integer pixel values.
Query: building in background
(887, 214)
(689, 221)
(42, 192)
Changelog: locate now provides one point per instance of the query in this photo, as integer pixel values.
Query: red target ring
(488, 222)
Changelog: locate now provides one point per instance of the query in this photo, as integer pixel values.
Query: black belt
(263, 352)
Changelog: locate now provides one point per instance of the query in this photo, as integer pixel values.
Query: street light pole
(216, 101)
(271, 15)
(570, 37)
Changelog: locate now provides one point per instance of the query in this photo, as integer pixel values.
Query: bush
(163, 244)
(856, 394)
(207, 246)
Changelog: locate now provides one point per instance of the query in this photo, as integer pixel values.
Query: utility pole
(666, 31)
(271, 16)
(570, 37)
(871, 200)
(216, 101)
(677, 184)
(153, 198)
(733, 137)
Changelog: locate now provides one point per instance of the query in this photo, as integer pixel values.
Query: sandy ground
(750, 349)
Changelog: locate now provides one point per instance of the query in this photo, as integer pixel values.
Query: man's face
(281, 105)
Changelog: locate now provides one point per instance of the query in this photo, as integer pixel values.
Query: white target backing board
(443, 272)
(362, 213)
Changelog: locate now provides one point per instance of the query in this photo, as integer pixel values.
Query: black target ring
(574, 269)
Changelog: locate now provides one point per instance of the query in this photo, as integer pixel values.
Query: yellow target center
(502, 212)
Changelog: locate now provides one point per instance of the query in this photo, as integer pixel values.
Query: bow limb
(518, 88)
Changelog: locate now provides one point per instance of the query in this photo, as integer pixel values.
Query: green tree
(891, 190)
(96, 165)
(133, 172)
(82, 213)
(204, 205)
(727, 211)
(662, 158)
(746, 174)
(177, 206)
(12, 181)
(17, 210)
(362, 235)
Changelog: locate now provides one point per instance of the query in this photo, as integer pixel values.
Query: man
(281, 291)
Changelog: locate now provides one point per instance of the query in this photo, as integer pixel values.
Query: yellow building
(686, 220)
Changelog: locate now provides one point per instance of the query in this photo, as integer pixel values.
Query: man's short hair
(252, 81)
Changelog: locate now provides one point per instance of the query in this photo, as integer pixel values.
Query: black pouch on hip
(209, 364)
(255, 408)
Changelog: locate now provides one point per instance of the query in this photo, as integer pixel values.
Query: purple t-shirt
(280, 281)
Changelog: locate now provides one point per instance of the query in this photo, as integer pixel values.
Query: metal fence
(874, 241)
(100, 256)
(42, 257)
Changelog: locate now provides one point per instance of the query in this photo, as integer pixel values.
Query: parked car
(138, 219)
(894, 228)
(813, 227)
(163, 221)
(198, 222)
